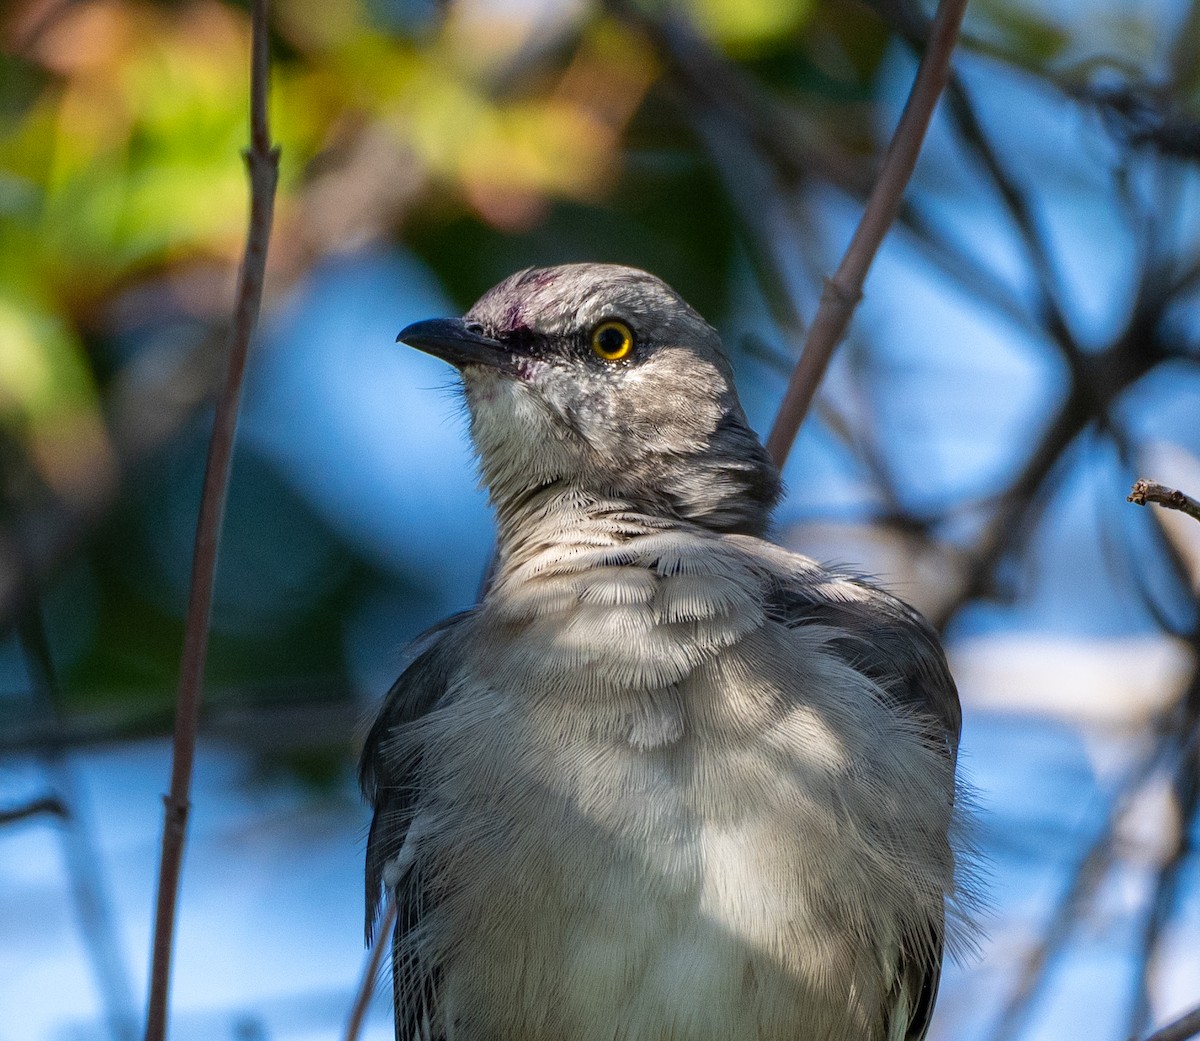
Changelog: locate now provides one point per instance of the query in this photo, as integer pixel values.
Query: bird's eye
(612, 340)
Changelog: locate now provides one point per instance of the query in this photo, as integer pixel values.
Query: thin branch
(1185, 1027)
(1145, 491)
(366, 985)
(1020, 210)
(262, 161)
(1125, 561)
(912, 26)
(47, 805)
(277, 717)
(843, 291)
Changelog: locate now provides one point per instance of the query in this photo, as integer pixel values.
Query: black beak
(453, 340)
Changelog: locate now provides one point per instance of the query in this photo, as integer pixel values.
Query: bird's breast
(635, 817)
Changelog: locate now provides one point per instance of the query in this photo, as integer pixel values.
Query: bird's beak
(452, 340)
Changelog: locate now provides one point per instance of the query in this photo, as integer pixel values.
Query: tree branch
(1145, 491)
(262, 161)
(47, 805)
(1185, 1027)
(843, 291)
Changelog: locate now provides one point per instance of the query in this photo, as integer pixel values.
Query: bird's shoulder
(875, 632)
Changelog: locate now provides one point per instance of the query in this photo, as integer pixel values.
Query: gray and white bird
(667, 781)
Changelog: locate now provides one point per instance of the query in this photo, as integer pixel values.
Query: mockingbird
(666, 781)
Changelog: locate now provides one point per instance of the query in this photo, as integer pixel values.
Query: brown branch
(366, 985)
(843, 291)
(1185, 1027)
(262, 161)
(912, 26)
(1145, 491)
(713, 91)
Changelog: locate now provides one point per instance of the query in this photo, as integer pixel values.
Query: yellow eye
(612, 340)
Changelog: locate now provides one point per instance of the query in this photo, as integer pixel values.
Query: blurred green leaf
(42, 374)
(743, 28)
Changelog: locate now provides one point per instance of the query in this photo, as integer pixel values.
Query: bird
(666, 780)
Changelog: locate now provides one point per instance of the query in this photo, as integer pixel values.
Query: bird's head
(601, 379)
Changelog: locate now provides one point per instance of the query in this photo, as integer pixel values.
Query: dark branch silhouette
(1185, 1027)
(46, 806)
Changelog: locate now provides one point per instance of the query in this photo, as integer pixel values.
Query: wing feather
(880, 635)
(388, 782)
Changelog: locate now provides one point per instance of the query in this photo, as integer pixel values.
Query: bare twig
(1185, 1027)
(842, 292)
(1017, 509)
(1126, 560)
(262, 161)
(47, 805)
(1145, 491)
(366, 985)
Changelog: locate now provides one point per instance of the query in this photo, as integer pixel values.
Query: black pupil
(611, 340)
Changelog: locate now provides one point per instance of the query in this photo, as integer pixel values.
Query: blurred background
(1029, 343)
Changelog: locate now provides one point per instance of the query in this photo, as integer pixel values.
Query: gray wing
(389, 784)
(893, 644)
(882, 637)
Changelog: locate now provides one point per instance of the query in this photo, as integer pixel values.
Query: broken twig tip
(1145, 491)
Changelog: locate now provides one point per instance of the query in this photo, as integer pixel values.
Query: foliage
(489, 137)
